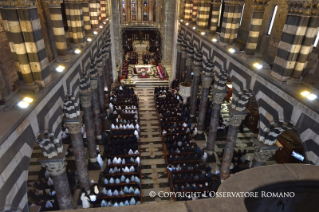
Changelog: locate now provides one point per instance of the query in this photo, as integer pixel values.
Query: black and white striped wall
(44, 115)
(276, 107)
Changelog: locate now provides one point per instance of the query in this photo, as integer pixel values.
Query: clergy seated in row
(126, 149)
(127, 202)
(161, 90)
(192, 166)
(125, 127)
(126, 190)
(186, 157)
(125, 169)
(123, 140)
(47, 205)
(126, 121)
(178, 137)
(122, 179)
(191, 176)
(183, 147)
(119, 160)
(124, 90)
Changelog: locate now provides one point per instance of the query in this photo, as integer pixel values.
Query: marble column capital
(56, 168)
(94, 83)
(236, 117)
(263, 155)
(219, 96)
(86, 100)
(73, 127)
(207, 80)
(260, 5)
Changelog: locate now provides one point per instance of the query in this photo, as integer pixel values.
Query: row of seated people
(196, 175)
(115, 132)
(127, 160)
(189, 187)
(175, 130)
(122, 192)
(122, 90)
(125, 121)
(124, 107)
(184, 157)
(126, 202)
(122, 179)
(125, 169)
(125, 127)
(161, 89)
(121, 149)
(124, 96)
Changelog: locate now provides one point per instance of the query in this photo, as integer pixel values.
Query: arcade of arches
(108, 103)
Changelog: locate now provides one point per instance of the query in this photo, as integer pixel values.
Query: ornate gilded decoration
(260, 4)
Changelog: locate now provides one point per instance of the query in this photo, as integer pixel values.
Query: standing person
(85, 200)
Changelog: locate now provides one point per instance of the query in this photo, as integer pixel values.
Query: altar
(140, 47)
(143, 70)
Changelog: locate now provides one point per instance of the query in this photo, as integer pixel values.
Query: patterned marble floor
(153, 168)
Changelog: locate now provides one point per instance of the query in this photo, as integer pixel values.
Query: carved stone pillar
(89, 129)
(198, 67)
(150, 10)
(74, 127)
(139, 10)
(218, 99)
(236, 118)
(206, 84)
(56, 167)
(96, 109)
(262, 153)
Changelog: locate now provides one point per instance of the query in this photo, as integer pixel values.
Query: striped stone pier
(194, 13)
(58, 29)
(226, 23)
(254, 28)
(189, 61)
(215, 15)
(188, 10)
(238, 7)
(179, 55)
(75, 22)
(305, 50)
(12, 27)
(183, 60)
(86, 18)
(203, 14)
(102, 10)
(93, 14)
(290, 44)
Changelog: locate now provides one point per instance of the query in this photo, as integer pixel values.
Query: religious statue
(145, 9)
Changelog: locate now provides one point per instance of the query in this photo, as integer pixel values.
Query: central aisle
(153, 168)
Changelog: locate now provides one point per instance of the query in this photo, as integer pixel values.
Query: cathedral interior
(159, 105)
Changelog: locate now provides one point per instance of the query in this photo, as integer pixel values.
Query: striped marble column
(306, 48)
(35, 47)
(86, 17)
(58, 30)
(194, 13)
(289, 46)
(102, 10)
(93, 14)
(226, 24)
(189, 61)
(254, 28)
(198, 67)
(79, 23)
(179, 55)
(188, 10)
(207, 78)
(235, 21)
(203, 14)
(215, 15)
(68, 18)
(183, 60)
(12, 27)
